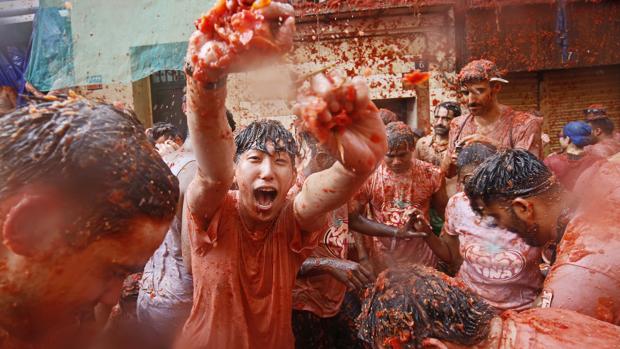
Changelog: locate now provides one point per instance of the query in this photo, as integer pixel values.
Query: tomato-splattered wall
(561, 95)
(382, 45)
(524, 38)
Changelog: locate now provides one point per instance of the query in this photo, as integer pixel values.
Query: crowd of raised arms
(347, 230)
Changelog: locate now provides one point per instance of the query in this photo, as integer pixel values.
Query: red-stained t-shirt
(586, 275)
(243, 280)
(567, 168)
(323, 294)
(392, 199)
(514, 129)
(606, 148)
(556, 328)
(497, 264)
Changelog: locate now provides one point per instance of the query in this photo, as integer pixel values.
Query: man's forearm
(369, 227)
(210, 134)
(312, 266)
(326, 191)
(439, 248)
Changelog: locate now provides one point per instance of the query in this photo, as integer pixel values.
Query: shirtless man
(248, 244)
(85, 200)
(606, 142)
(416, 307)
(488, 121)
(520, 193)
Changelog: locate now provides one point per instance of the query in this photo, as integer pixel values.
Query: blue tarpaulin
(51, 61)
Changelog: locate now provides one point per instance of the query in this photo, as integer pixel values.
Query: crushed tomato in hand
(315, 113)
(416, 77)
(238, 26)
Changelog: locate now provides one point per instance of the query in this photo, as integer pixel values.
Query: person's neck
(603, 137)
(490, 117)
(254, 225)
(440, 139)
(572, 149)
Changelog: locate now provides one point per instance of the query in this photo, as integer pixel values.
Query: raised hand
(237, 34)
(417, 226)
(339, 113)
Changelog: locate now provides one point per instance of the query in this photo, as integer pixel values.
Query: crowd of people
(372, 236)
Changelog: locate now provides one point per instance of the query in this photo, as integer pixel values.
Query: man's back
(586, 274)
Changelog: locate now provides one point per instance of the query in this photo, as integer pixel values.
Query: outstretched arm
(340, 114)
(210, 58)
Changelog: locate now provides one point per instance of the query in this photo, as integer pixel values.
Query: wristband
(216, 85)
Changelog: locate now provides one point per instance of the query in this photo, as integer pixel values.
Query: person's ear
(496, 87)
(433, 343)
(33, 226)
(523, 209)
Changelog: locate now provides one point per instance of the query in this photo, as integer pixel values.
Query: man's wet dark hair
(412, 303)
(165, 129)
(399, 133)
(508, 175)
(454, 107)
(93, 153)
(474, 154)
(259, 134)
(604, 123)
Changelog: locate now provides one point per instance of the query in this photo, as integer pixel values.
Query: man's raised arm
(213, 145)
(339, 113)
(210, 57)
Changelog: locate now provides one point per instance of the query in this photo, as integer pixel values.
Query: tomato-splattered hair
(92, 153)
(508, 175)
(480, 70)
(259, 134)
(399, 133)
(411, 303)
(164, 129)
(474, 154)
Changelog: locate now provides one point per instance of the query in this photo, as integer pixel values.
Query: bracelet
(215, 85)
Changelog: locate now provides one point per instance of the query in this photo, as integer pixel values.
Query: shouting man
(85, 200)
(606, 143)
(488, 121)
(520, 193)
(247, 245)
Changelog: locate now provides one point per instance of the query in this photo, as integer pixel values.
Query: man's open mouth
(265, 196)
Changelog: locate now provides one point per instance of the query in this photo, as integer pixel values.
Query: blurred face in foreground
(50, 281)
